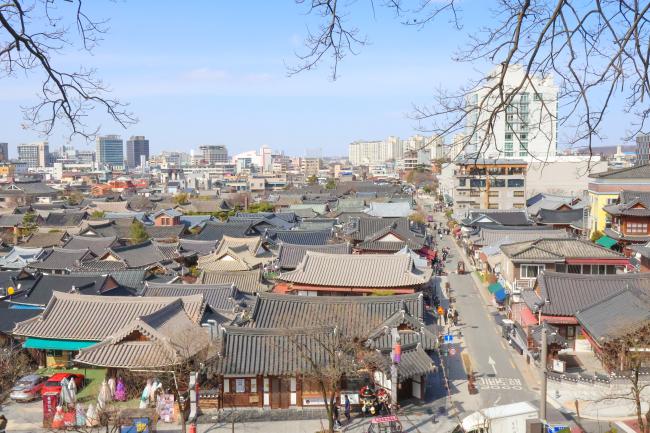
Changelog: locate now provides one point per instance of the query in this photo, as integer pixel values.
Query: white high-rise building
(392, 149)
(527, 129)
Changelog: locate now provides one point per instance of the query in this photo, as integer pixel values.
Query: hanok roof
(631, 203)
(207, 206)
(245, 281)
(362, 228)
(120, 228)
(214, 231)
(236, 254)
(194, 221)
(131, 279)
(290, 255)
(11, 220)
(560, 217)
(62, 259)
(361, 313)
(393, 238)
(44, 239)
(500, 217)
(19, 257)
(274, 352)
(502, 236)
(172, 213)
(554, 250)
(162, 338)
(315, 224)
(133, 256)
(550, 202)
(35, 188)
(300, 237)
(97, 245)
(316, 208)
(165, 232)
(64, 219)
(369, 270)
(569, 293)
(617, 315)
(635, 172)
(389, 210)
(84, 317)
(220, 297)
(197, 247)
(110, 206)
(270, 219)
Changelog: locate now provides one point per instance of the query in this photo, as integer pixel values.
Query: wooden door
(275, 393)
(285, 393)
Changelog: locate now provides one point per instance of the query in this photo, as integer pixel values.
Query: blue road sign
(556, 428)
(448, 338)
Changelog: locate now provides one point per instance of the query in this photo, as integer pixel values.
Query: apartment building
(490, 184)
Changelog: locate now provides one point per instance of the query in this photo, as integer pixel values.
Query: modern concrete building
(562, 175)
(310, 166)
(525, 129)
(392, 149)
(35, 155)
(490, 184)
(110, 151)
(4, 151)
(642, 149)
(136, 148)
(214, 154)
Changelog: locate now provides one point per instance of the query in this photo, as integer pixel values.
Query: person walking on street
(455, 317)
(335, 414)
(3, 424)
(347, 409)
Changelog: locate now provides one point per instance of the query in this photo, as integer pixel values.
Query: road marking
(493, 365)
(496, 401)
(513, 365)
(503, 344)
(497, 383)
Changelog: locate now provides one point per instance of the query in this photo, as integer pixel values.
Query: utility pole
(542, 405)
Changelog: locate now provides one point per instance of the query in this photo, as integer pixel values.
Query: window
(508, 136)
(477, 183)
(574, 269)
(254, 385)
(494, 194)
(560, 267)
(530, 271)
(523, 97)
(493, 206)
(519, 205)
(498, 183)
(475, 193)
(637, 228)
(571, 331)
(517, 193)
(462, 182)
(515, 183)
(240, 385)
(537, 97)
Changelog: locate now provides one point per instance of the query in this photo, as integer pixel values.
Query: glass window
(570, 331)
(515, 183)
(508, 136)
(254, 385)
(537, 97)
(560, 267)
(477, 183)
(494, 194)
(517, 193)
(574, 269)
(530, 271)
(462, 182)
(641, 228)
(498, 183)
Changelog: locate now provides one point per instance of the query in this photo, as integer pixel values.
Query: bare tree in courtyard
(34, 35)
(629, 355)
(597, 51)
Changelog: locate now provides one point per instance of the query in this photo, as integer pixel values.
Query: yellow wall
(7, 170)
(598, 215)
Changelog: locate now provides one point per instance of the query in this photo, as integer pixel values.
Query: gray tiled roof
(44, 240)
(361, 313)
(631, 203)
(389, 210)
(552, 250)
(369, 270)
(62, 259)
(19, 257)
(569, 293)
(300, 237)
(502, 217)
(11, 220)
(246, 281)
(141, 255)
(64, 219)
(97, 245)
(214, 231)
(171, 337)
(616, 315)
(30, 188)
(636, 172)
(363, 228)
(221, 297)
(494, 236)
(133, 279)
(551, 216)
(290, 255)
(165, 232)
(84, 317)
(198, 247)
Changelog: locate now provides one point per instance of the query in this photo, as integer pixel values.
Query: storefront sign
(558, 366)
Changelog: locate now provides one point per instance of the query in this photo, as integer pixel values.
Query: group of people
(447, 316)
(346, 411)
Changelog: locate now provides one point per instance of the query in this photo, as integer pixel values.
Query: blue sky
(214, 72)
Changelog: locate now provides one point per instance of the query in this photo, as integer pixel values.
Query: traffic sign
(556, 428)
(448, 338)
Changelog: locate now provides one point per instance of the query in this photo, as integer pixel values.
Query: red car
(53, 384)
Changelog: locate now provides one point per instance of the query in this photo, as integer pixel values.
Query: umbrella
(66, 398)
(72, 389)
(104, 396)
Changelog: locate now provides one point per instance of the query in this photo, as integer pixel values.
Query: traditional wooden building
(628, 221)
(335, 274)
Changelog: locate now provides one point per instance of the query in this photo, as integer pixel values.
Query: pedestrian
(444, 316)
(3, 424)
(450, 315)
(347, 408)
(335, 414)
(455, 317)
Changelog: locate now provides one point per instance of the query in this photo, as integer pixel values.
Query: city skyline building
(526, 129)
(110, 151)
(212, 154)
(4, 151)
(136, 147)
(35, 155)
(642, 149)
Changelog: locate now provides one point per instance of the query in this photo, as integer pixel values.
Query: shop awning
(495, 287)
(606, 241)
(51, 344)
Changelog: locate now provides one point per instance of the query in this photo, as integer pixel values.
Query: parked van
(509, 418)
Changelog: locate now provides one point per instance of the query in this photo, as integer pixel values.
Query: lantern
(10, 291)
(397, 353)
